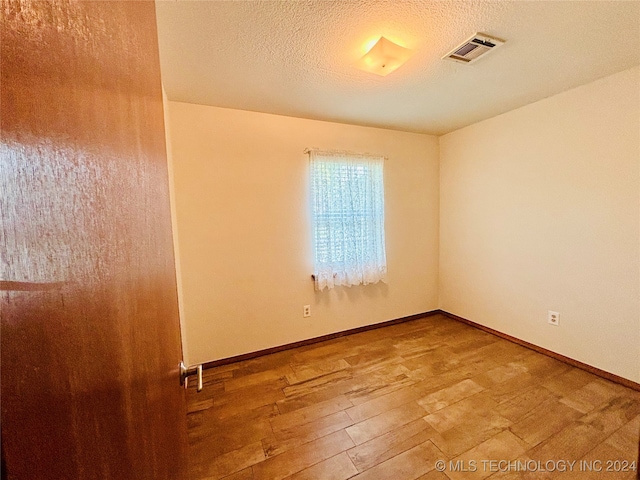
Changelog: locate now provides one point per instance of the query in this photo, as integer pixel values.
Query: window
(347, 195)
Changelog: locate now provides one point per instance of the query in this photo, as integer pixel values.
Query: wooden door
(90, 332)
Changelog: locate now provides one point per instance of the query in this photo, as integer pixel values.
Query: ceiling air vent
(473, 48)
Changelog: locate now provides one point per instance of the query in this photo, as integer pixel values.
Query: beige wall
(174, 221)
(540, 211)
(241, 198)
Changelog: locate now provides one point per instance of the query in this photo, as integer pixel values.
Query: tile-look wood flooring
(390, 403)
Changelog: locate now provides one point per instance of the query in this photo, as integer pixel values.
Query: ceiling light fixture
(384, 57)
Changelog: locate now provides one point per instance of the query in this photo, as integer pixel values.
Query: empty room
(320, 239)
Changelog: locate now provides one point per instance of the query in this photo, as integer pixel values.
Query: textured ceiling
(296, 57)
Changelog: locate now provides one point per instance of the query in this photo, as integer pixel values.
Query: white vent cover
(473, 48)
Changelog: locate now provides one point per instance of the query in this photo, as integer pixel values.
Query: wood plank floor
(390, 403)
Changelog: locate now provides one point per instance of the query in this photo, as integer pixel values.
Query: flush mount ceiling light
(384, 57)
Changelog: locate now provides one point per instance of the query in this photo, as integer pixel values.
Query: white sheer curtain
(347, 194)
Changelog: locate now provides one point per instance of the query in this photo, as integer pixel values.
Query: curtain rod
(344, 152)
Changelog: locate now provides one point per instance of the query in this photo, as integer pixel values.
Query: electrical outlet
(306, 311)
(553, 318)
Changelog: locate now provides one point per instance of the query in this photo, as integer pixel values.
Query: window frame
(356, 243)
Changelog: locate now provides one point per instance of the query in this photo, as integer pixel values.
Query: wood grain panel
(495, 400)
(90, 333)
(570, 361)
